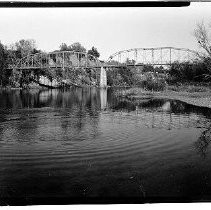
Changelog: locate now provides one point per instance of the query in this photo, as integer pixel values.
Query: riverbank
(199, 96)
(23, 88)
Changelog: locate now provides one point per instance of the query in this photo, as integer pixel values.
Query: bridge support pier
(103, 78)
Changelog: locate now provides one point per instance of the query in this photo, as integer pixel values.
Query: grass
(188, 88)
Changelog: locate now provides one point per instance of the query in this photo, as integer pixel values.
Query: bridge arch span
(153, 56)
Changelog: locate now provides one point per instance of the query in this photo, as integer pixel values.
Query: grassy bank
(192, 94)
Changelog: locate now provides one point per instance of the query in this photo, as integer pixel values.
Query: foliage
(63, 47)
(130, 62)
(77, 47)
(3, 57)
(148, 68)
(20, 49)
(122, 76)
(4, 74)
(154, 82)
(199, 71)
(190, 87)
(127, 75)
(24, 47)
(94, 52)
(203, 37)
(16, 79)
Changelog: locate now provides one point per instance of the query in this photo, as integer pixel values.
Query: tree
(3, 63)
(148, 68)
(63, 47)
(203, 37)
(94, 52)
(77, 47)
(25, 47)
(2, 57)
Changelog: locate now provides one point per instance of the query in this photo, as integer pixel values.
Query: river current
(89, 145)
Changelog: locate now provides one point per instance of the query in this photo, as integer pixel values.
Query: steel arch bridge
(152, 56)
(60, 59)
(132, 57)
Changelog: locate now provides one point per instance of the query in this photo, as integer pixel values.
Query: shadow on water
(166, 105)
(87, 142)
(203, 142)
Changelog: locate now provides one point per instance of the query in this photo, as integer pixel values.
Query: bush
(154, 83)
(198, 71)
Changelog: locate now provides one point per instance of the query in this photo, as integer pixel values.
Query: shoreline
(202, 99)
(187, 95)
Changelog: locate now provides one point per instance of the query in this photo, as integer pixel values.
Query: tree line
(24, 47)
(196, 71)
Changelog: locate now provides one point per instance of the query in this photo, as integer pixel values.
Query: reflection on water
(103, 98)
(87, 142)
(203, 142)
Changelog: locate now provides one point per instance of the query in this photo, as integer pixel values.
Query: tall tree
(63, 47)
(94, 52)
(2, 56)
(3, 63)
(203, 37)
(77, 47)
(25, 47)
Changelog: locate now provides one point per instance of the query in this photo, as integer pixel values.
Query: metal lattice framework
(60, 59)
(152, 56)
(134, 57)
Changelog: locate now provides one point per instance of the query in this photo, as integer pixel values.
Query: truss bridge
(39, 63)
(152, 56)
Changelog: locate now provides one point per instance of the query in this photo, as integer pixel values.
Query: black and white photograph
(105, 102)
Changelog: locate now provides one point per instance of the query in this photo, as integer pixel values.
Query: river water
(89, 145)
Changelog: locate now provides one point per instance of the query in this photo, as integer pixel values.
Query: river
(89, 145)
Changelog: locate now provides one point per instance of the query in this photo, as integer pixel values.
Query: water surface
(91, 144)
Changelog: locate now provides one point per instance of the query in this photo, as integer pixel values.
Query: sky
(108, 29)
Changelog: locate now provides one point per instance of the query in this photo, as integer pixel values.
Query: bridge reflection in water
(90, 142)
(154, 113)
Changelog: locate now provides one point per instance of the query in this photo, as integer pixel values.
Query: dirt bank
(196, 98)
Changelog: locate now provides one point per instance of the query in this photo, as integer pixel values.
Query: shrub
(198, 71)
(154, 83)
